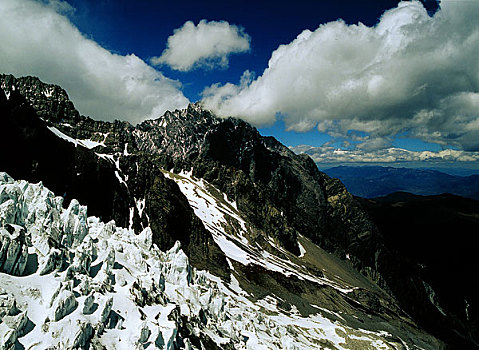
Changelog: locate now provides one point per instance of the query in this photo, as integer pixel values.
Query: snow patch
(90, 144)
(132, 214)
(302, 251)
(103, 280)
(216, 213)
(48, 92)
(63, 136)
(87, 143)
(117, 174)
(108, 157)
(140, 206)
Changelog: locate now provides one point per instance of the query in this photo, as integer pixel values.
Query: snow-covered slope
(68, 280)
(221, 216)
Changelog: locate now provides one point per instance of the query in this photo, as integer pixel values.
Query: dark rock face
(77, 172)
(38, 155)
(353, 229)
(281, 193)
(436, 237)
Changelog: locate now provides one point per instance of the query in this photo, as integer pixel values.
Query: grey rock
(88, 304)
(64, 304)
(13, 250)
(144, 334)
(106, 309)
(82, 336)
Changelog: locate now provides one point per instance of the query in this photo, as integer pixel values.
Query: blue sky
(143, 27)
(367, 77)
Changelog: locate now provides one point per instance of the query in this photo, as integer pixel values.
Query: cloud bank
(330, 155)
(409, 73)
(37, 40)
(207, 44)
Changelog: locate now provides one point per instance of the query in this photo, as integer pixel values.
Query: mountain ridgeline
(375, 181)
(166, 173)
(282, 194)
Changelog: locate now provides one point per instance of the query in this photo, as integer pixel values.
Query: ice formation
(68, 280)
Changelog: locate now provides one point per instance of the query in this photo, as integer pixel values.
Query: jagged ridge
(279, 194)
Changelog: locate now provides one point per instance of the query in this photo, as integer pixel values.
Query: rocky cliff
(243, 206)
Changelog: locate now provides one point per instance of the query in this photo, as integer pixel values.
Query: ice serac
(114, 289)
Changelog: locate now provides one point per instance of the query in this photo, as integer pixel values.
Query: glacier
(70, 281)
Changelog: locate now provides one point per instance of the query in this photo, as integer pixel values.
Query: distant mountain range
(374, 181)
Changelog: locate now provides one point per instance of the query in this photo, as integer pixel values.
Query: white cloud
(329, 155)
(37, 40)
(409, 73)
(206, 45)
(60, 6)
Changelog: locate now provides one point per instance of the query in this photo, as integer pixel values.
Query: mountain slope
(75, 171)
(77, 282)
(374, 181)
(439, 234)
(258, 173)
(243, 206)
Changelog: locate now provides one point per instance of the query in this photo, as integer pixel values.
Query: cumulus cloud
(36, 39)
(60, 6)
(207, 44)
(409, 73)
(330, 155)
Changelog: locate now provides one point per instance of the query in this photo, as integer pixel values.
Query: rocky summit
(189, 231)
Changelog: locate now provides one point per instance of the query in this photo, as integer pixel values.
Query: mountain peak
(49, 100)
(261, 219)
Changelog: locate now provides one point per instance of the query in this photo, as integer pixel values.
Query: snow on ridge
(214, 213)
(87, 143)
(63, 136)
(90, 144)
(302, 251)
(84, 281)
